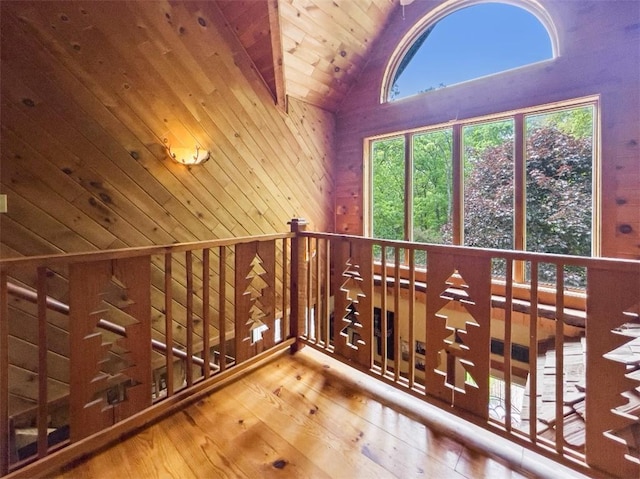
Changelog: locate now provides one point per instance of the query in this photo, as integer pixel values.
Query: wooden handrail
(616, 264)
(55, 305)
(90, 256)
(98, 401)
(323, 275)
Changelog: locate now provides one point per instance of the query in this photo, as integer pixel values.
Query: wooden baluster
(396, 308)
(42, 362)
(443, 334)
(222, 311)
(559, 345)
(327, 294)
(168, 321)
(254, 297)
(383, 310)
(508, 314)
(365, 255)
(298, 279)
(284, 324)
(86, 282)
(206, 341)
(189, 361)
(533, 355)
(412, 307)
(318, 288)
(4, 375)
(310, 333)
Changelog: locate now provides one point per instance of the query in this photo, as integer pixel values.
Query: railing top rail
(67, 258)
(619, 264)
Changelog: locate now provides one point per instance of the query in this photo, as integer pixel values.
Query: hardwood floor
(297, 417)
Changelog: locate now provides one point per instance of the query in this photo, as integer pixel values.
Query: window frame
(445, 9)
(518, 116)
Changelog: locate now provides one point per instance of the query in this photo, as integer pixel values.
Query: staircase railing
(452, 326)
(32, 296)
(94, 345)
(480, 333)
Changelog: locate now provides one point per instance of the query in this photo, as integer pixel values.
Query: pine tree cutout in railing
(455, 344)
(255, 298)
(627, 427)
(457, 359)
(110, 374)
(111, 382)
(353, 292)
(352, 282)
(613, 372)
(255, 290)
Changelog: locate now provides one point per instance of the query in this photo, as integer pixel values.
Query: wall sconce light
(187, 156)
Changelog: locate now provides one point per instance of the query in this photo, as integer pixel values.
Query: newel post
(4, 375)
(298, 281)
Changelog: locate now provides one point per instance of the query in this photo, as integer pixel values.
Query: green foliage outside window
(558, 183)
(489, 185)
(432, 185)
(387, 160)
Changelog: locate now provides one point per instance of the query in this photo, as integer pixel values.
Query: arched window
(471, 42)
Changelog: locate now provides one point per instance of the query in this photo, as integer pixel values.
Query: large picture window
(520, 181)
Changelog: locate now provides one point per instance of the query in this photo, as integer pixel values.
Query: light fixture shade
(187, 156)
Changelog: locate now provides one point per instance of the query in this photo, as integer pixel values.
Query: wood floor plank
(476, 466)
(318, 385)
(334, 454)
(294, 417)
(150, 453)
(196, 446)
(246, 446)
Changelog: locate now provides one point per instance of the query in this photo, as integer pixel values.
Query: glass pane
(427, 64)
(488, 184)
(432, 186)
(387, 164)
(559, 162)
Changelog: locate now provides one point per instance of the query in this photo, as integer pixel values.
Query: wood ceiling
(312, 50)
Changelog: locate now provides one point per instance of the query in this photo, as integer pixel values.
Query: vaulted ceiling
(312, 50)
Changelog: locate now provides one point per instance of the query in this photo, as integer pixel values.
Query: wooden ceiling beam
(277, 53)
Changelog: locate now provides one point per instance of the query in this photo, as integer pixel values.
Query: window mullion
(408, 187)
(596, 184)
(519, 192)
(458, 181)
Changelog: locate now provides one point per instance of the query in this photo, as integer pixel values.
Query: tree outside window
(558, 175)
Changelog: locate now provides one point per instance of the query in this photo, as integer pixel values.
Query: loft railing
(451, 326)
(95, 345)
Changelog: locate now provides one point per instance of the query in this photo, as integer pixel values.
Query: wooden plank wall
(89, 93)
(598, 56)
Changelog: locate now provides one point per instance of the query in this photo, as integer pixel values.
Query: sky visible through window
(473, 42)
